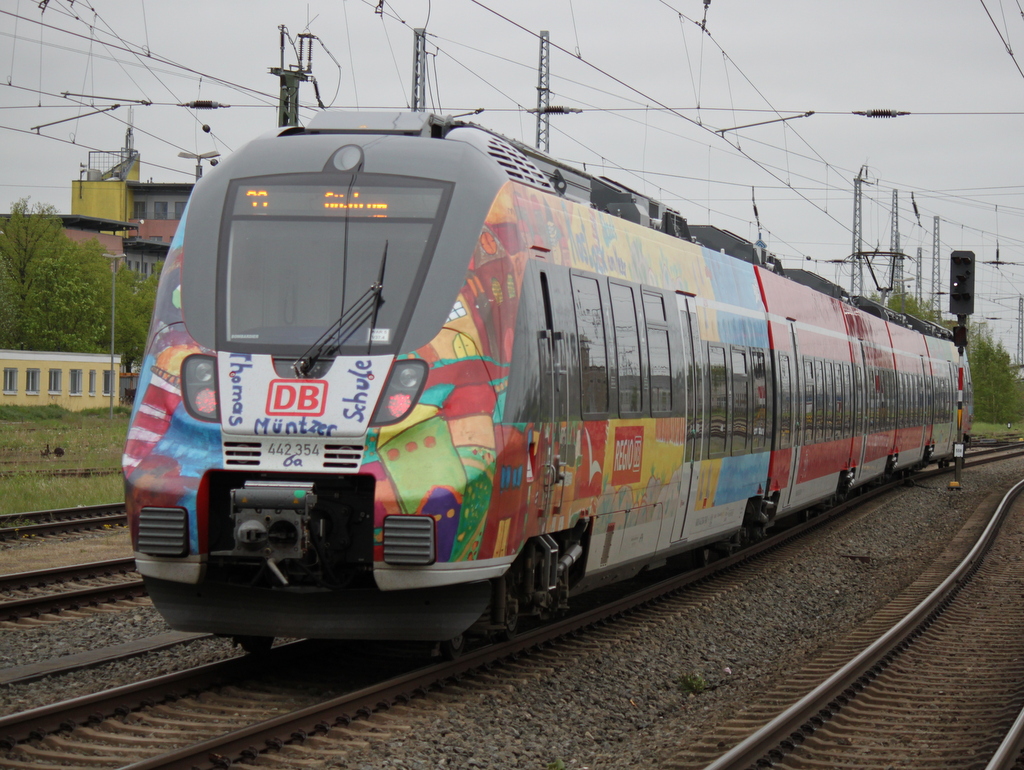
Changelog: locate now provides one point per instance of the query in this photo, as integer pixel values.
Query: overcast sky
(654, 89)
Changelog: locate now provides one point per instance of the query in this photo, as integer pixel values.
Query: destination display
(370, 201)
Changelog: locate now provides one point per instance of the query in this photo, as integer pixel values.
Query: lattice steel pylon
(919, 277)
(936, 263)
(896, 272)
(419, 70)
(1020, 332)
(857, 278)
(544, 92)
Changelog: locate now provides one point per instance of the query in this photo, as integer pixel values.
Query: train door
(861, 407)
(791, 386)
(694, 434)
(550, 444)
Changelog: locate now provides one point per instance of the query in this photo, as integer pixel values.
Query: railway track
(61, 472)
(258, 718)
(14, 526)
(934, 680)
(58, 733)
(31, 594)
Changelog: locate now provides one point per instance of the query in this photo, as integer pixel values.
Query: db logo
(297, 397)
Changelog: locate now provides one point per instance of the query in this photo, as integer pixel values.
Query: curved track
(932, 681)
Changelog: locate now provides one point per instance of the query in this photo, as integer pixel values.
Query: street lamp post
(199, 160)
(113, 284)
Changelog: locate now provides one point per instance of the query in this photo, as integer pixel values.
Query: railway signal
(961, 283)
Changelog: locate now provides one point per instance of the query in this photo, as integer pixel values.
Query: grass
(997, 430)
(693, 683)
(90, 439)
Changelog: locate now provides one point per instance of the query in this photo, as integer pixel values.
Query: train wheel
(453, 648)
(702, 557)
(511, 628)
(254, 645)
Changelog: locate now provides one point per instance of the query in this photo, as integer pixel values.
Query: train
(408, 379)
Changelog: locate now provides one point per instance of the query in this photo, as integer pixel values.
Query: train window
(830, 399)
(848, 406)
(758, 429)
(901, 391)
(785, 403)
(627, 345)
(740, 402)
(808, 401)
(654, 307)
(661, 370)
(593, 358)
(719, 400)
(819, 402)
(889, 393)
(298, 251)
(837, 399)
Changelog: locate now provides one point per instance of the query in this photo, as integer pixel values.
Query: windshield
(299, 253)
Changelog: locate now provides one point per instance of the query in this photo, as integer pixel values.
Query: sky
(668, 90)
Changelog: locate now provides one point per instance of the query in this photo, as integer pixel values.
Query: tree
(136, 296)
(68, 299)
(28, 235)
(997, 391)
(55, 292)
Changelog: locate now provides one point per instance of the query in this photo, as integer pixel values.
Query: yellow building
(74, 381)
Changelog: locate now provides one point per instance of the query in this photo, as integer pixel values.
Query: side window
(719, 400)
(785, 403)
(658, 354)
(759, 431)
(593, 358)
(830, 400)
(847, 402)
(819, 402)
(661, 370)
(740, 401)
(627, 346)
(808, 401)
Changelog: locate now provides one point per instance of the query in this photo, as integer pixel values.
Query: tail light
(402, 391)
(199, 387)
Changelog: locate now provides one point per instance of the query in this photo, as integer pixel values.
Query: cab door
(552, 448)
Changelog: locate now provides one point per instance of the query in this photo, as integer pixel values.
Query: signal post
(961, 304)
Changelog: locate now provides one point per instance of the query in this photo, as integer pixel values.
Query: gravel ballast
(608, 705)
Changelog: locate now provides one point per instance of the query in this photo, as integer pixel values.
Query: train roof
(528, 165)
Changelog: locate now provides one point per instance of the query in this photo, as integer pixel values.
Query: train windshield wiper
(328, 343)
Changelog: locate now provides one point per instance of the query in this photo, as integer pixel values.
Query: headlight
(199, 387)
(402, 391)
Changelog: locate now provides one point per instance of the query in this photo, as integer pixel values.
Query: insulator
(204, 104)
(881, 113)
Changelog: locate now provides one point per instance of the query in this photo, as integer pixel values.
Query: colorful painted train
(407, 379)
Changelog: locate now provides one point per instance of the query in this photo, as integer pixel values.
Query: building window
(179, 209)
(140, 210)
(54, 384)
(10, 381)
(159, 209)
(92, 382)
(32, 382)
(75, 382)
(108, 380)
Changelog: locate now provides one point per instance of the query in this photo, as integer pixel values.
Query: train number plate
(296, 449)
